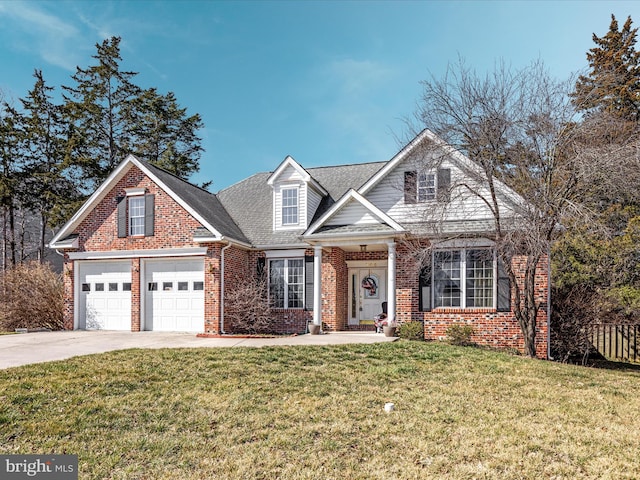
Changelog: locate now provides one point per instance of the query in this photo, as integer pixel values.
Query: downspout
(222, 287)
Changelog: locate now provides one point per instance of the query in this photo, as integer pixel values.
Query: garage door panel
(104, 302)
(174, 305)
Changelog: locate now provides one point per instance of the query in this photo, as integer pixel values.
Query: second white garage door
(174, 295)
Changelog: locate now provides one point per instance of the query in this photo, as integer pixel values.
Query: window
(198, 286)
(136, 216)
(126, 287)
(463, 278)
(183, 286)
(426, 186)
(286, 283)
(113, 287)
(289, 206)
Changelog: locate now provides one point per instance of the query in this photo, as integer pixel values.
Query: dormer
(296, 196)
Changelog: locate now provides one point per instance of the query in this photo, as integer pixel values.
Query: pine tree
(47, 189)
(10, 137)
(613, 84)
(100, 107)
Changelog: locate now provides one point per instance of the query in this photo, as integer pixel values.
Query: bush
(460, 334)
(246, 306)
(411, 331)
(31, 296)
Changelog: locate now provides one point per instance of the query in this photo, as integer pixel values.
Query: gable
(198, 208)
(358, 214)
(452, 187)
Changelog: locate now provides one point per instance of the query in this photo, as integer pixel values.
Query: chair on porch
(380, 320)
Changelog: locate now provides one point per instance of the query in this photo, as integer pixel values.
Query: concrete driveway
(26, 348)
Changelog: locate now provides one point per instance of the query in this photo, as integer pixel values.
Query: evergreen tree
(165, 135)
(613, 83)
(100, 107)
(10, 137)
(47, 189)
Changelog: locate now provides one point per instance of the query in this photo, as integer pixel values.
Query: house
(149, 251)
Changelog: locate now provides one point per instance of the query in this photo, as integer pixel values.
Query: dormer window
(290, 206)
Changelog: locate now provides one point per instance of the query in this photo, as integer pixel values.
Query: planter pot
(389, 331)
(314, 329)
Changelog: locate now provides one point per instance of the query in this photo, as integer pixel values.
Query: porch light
(363, 248)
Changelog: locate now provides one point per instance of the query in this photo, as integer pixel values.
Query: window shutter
(122, 216)
(260, 267)
(424, 294)
(410, 187)
(308, 282)
(149, 215)
(504, 289)
(444, 185)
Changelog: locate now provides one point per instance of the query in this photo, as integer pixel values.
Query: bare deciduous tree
(519, 129)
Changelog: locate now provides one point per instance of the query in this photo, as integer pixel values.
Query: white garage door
(104, 296)
(174, 295)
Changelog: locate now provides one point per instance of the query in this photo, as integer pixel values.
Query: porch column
(317, 286)
(391, 283)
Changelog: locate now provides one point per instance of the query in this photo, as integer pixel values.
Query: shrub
(411, 331)
(31, 296)
(460, 334)
(246, 306)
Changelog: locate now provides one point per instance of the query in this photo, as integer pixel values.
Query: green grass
(317, 413)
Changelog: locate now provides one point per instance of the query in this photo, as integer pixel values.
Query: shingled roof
(203, 202)
(250, 201)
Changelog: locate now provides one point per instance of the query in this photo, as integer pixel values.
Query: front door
(369, 290)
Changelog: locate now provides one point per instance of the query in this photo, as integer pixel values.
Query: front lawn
(317, 413)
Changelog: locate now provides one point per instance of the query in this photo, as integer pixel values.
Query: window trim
(141, 217)
(429, 282)
(424, 175)
(285, 282)
(289, 188)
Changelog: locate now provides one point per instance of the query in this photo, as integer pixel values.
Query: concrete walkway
(26, 348)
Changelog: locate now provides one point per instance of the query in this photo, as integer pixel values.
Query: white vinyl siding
(353, 213)
(388, 196)
(313, 202)
(279, 222)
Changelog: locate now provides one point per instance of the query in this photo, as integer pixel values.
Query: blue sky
(327, 82)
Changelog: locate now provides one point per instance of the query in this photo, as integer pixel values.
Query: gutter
(222, 287)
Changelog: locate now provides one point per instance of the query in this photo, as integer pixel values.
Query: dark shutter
(444, 185)
(308, 282)
(122, 216)
(504, 289)
(149, 215)
(410, 187)
(424, 294)
(260, 267)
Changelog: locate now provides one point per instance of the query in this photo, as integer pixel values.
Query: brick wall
(99, 230)
(492, 328)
